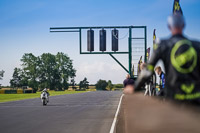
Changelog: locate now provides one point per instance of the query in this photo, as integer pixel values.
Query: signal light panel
(90, 40)
(115, 35)
(102, 40)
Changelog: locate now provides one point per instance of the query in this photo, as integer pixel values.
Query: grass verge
(16, 97)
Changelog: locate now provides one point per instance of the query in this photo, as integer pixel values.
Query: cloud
(100, 70)
(97, 67)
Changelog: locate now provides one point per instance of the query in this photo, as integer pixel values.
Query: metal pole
(145, 36)
(119, 63)
(80, 40)
(130, 51)
(104, 52)
(65, 31)
(94, 27)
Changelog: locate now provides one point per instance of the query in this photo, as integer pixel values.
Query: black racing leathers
(181, 59)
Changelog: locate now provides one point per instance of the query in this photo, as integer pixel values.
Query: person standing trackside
(128, 84)
(161, 74)
(181, 60)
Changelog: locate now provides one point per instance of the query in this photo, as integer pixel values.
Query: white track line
(112, 129)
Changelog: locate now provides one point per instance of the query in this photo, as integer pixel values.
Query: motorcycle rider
(45, 91)
(181, 61)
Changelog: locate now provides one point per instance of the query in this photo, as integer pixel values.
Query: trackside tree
(1, 75)
(44, 71)
(114, 38)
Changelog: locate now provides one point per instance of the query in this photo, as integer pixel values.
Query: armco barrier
(28, 91)
(90, 89)
(19, 91)
(2, 91)
(10, 91)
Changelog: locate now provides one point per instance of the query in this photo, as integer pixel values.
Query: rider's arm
(148, 72)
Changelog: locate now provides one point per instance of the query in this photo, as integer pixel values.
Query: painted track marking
(112, 129)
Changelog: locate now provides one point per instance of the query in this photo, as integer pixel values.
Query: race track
(90, 112)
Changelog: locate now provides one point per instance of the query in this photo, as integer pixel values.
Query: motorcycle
(45, 98)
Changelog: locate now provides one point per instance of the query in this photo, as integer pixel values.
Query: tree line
(45, 71)
(107, 85)
(55, 72)
(100, 85)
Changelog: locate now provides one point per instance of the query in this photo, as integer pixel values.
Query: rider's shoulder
(196, 44)
(161, 41)
(160, 44)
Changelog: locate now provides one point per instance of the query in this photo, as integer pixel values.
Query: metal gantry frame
(129, 52)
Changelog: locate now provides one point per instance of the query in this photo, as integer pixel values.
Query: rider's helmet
(176, 21)
(45, 89)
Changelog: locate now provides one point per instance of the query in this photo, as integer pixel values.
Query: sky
(24, 28)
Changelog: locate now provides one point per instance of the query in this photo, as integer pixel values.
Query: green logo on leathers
(187, 88)
(183, 58)
(177, 6)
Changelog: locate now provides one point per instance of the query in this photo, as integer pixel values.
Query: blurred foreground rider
(181, 61)
(161, 74)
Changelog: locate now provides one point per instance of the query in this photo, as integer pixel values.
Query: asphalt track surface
(90, 112)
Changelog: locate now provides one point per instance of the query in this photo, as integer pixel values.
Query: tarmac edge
(112, 129)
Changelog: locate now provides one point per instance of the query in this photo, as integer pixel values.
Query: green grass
(16, 97)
